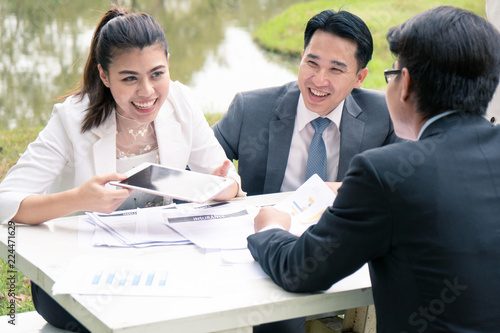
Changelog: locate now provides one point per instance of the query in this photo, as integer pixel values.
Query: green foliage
(284, 34)
(212, 118)
(22, 293)
(12, 144)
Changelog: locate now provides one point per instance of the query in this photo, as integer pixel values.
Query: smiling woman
(139, 81)
(126, 112)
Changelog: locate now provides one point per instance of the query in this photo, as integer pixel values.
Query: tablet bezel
(208, 185)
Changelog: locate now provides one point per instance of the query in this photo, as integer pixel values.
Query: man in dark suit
(424, 214)
(269, 131)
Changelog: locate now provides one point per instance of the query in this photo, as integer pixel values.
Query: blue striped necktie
(316, 161)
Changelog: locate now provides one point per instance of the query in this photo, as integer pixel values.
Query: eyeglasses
(389, 73)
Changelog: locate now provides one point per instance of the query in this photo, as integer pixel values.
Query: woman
(127, 111)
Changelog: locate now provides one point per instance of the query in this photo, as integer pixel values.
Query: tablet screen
(175, 183)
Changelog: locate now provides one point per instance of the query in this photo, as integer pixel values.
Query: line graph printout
(307, 204)
(109, 276)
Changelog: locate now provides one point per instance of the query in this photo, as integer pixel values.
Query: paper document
(219, 226)
(137, 227)
(307, 204)
(136, 277)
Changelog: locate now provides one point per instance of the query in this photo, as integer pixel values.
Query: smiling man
(269, 131)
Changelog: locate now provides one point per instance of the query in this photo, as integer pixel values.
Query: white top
(303, 132)
(62, 157)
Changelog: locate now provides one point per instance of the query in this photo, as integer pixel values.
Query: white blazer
(62, 157)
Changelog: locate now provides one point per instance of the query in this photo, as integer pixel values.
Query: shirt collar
(304, 116)
(433, 119)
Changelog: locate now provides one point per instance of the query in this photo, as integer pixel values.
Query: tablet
(175, 183)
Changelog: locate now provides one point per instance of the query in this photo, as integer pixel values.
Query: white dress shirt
(303, 132)
(431, 120)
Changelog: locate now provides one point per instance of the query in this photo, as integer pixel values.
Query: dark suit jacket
(425, 215)
(257, 131)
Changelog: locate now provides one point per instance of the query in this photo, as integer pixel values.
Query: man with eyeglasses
(423, 213)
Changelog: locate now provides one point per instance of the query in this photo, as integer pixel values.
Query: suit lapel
(104, 148)
(351, 135)
(280, 139)
(168, 135)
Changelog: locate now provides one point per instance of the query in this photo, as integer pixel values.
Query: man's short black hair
(453, 57)
(346, 25)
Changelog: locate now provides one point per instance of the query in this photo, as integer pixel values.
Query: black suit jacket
(425, 215)
(257, 131)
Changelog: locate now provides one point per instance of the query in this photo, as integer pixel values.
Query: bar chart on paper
(124, 277)
(307, 204)
(129, 279)
(297, 208)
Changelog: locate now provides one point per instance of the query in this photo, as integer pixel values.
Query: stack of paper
(137, 228)
(227, 226)
(223, 225)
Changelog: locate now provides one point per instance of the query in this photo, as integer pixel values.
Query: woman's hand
(95, 197)
(232, 190)
(90, 196)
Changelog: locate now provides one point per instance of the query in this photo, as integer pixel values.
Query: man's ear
(360, 77)
(103, 75)
(405, 85)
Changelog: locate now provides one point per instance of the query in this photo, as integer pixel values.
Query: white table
(43, 252)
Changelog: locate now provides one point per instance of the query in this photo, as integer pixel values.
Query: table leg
(360, 320)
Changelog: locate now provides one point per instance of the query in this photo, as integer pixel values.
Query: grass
(284, 34)
(12, 144)
(22, 298)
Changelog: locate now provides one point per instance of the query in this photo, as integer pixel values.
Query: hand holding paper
(305, 206)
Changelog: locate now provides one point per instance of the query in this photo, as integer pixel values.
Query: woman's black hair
(117, 31)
